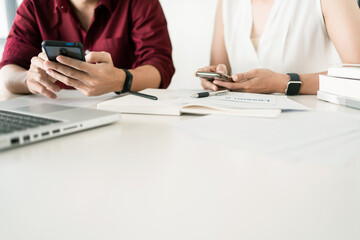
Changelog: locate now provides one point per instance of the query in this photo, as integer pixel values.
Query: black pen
(144, 95)
(207, 94)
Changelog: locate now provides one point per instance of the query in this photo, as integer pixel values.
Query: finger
(43, 79)
(221, 68)
(228, 85)
(37, 88)
(34, 69)
(208, 85)
(50, 78)
(38, 62)
(207, 69)
(74, 63)
(43, 56)
(64, 70)
(98, 57)
(40, 76)
(246, 86)
(75, 83)
(241, 77)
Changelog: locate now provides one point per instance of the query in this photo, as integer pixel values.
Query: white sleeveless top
(295, 38)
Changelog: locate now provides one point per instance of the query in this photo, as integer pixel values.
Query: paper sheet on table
(326, 137)
(256, 101)
(70, 98)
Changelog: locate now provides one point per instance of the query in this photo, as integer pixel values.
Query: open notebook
(177, 102)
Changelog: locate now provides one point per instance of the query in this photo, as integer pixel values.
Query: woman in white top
(261, 41)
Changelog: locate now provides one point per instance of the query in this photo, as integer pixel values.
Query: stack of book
(341, 86)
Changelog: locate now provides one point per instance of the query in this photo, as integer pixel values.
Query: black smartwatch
(128, 82)
(294, 85)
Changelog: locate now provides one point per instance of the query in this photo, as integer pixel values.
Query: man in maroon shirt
(126, 34)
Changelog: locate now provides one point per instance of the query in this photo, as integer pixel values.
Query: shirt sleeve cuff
(6, 60)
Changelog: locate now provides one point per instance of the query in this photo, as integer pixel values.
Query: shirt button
(62, 7)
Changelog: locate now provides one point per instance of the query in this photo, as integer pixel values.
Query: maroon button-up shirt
(134, 32)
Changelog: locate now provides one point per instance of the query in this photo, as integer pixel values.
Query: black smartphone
(211, 76)
(68, 49)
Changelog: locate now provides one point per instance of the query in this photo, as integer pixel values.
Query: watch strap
(294, 85)
(128, 82)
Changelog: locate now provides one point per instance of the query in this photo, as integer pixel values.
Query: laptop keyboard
(12, 122)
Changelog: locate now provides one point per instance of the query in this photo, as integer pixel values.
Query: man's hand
(38, 81)
(257, 81)
(94, 77)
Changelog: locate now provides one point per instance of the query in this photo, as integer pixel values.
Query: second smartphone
(211, 76)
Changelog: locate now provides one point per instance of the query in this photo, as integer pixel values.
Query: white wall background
(3, 20)
(3, 26)
(190, 24)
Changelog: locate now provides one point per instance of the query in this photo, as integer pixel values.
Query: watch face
(293, 88)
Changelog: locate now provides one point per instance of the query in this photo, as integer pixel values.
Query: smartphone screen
(69, 49)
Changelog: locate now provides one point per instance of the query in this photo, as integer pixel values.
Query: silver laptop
(28, 124)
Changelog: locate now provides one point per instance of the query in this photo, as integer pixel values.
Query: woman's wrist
(283, 81)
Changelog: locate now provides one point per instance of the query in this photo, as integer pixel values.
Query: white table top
(142, 178)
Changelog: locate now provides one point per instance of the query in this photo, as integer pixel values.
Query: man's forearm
(13, 77)
(146, 76)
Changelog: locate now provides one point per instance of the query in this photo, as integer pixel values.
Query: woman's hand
(205, 83)
(257, 81)
(96, 76)
(38, 81)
